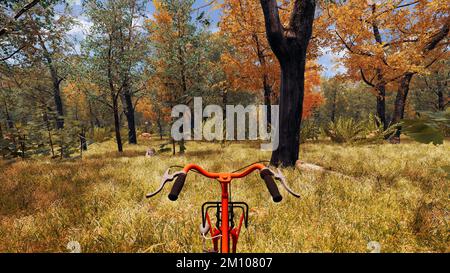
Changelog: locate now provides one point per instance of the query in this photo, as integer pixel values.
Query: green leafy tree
(181, 59)
(113, 54)
(50, 46)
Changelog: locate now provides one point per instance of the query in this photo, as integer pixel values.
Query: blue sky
(327, 60)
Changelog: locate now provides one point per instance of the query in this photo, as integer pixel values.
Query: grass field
(393, 194)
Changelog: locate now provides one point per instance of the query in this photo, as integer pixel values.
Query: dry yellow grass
(395, 195)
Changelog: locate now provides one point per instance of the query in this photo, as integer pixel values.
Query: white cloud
(330, 62)
(76, 2)
(80, 28)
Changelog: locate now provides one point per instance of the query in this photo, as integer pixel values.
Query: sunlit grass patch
(392, 194)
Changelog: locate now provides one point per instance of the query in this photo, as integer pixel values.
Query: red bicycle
(225, 228)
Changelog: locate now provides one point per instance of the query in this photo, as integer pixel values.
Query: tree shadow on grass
(115, 154)
(213, 154)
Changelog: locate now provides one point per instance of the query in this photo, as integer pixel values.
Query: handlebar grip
(271, 186)
(177, 187)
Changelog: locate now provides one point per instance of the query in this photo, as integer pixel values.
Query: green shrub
(345, 130)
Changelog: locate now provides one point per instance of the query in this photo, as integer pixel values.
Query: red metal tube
(225, 228)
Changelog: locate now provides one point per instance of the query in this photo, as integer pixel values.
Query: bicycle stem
(225, 216)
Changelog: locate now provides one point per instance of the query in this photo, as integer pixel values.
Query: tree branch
(12, 54)
(26, 8)
(365, 79)
(301, 15)
(344, 42)
(23, 10)
(274, 28)
(436, 38)
(400, 42)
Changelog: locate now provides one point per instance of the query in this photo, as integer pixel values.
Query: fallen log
(308, 167)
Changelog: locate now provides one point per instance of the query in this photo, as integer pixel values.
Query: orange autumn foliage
(390, 36)
(250, 63)
(162, 87)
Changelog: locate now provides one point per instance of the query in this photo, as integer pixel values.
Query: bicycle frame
(234, 231)
(225, 226)
(225, 180)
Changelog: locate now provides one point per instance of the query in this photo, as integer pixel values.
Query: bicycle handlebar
(245, 172)
(266, 174)
(177, 187)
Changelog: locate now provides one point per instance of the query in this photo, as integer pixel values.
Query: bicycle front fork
(216, 232)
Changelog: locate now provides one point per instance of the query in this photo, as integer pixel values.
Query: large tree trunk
(380, 88)
(56, 81)
(381, 85)
(127, 103)
(400, 102)
(117, 126)
(114, 97)
(129, 114)
(291, 108)
(290, 46)
(59, 105)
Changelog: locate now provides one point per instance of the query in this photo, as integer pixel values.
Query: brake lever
(165, 178)
(280, 177)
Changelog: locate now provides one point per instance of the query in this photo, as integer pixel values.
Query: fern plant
(375, 131)
(345, 130)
